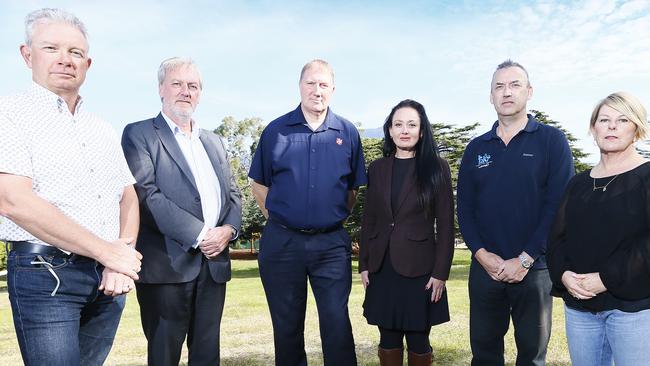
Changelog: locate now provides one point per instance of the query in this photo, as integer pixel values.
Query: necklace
(605, 186)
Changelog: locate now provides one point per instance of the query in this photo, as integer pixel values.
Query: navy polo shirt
(508, 194)
(309, 173)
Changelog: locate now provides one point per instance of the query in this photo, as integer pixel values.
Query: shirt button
(92, 170)
(392, 224)
(313, 150)
(99, 196)
(83, 144)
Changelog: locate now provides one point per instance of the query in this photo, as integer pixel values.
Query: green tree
(577, 152)
(241, 141)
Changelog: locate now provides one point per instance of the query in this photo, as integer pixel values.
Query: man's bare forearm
(129, 214)
(260, 192)
(352, 198)
(43, 220)
(46, 222)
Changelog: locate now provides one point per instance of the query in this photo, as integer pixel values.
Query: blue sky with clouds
(441, 53)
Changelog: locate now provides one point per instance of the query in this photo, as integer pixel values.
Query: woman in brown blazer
(407, 237)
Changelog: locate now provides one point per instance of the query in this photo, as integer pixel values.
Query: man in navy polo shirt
(306, 171)
(510, 183)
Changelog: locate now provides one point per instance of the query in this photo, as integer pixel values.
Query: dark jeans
(492, 303)
(76, 326)
(286, 260)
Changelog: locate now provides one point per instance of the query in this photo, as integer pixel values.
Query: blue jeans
(597, 339)
(76, 326)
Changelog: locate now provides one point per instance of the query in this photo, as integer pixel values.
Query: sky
(440, 53)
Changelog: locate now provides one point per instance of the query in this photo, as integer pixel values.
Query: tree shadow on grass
(253, 272)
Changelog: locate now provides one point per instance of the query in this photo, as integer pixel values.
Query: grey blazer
(170, 206)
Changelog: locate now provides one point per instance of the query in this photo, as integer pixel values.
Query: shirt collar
(531, 126)
(331, 121)
(46, 98)
(177, 130)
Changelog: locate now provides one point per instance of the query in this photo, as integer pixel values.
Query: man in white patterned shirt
(69, 206)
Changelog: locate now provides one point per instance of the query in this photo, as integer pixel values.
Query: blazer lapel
(169, 142)
(215, 153)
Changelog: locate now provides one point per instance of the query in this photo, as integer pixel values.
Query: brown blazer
(419, 245)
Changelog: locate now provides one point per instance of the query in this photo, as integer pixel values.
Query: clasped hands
(510, 271)
(583, 286)
(121, 264)
(215, 241)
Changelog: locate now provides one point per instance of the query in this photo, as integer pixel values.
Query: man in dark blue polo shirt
(306, 171)
(510, 183)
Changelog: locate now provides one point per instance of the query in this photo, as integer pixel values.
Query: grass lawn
(247, 335)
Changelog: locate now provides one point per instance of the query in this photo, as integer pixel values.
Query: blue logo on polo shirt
(484, 160)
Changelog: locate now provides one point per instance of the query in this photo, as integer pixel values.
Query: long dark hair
(428, 171)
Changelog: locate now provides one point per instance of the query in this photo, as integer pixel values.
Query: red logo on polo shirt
(339, 141)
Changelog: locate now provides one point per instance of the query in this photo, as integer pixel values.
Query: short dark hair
(509, 63)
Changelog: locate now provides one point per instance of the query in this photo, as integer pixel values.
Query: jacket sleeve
(560, 172)
(556, 258)
(627, 273)
(466, 203)
(368, 221)
(444, 213)
(234, 216)
(171, 220)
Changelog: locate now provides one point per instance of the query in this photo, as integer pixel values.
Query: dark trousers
(286, 260)
(169, 312)
(492, 303)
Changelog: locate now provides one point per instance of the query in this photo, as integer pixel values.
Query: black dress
(605, 231)
(394, 301)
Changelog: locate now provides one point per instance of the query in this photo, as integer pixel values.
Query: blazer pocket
(419, 237)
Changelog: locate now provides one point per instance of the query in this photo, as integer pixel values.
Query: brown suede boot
(390, 357)
(420, 359)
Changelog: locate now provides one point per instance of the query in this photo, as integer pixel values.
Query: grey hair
(174, 63)
(51, 15)
(509, 63)
(316, 62)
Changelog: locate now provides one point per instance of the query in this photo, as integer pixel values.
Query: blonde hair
(629, 106)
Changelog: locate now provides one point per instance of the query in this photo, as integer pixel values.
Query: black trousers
(492, 303)
(287, 260)
(169, 312)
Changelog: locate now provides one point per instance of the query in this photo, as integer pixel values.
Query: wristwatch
(525, 261)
